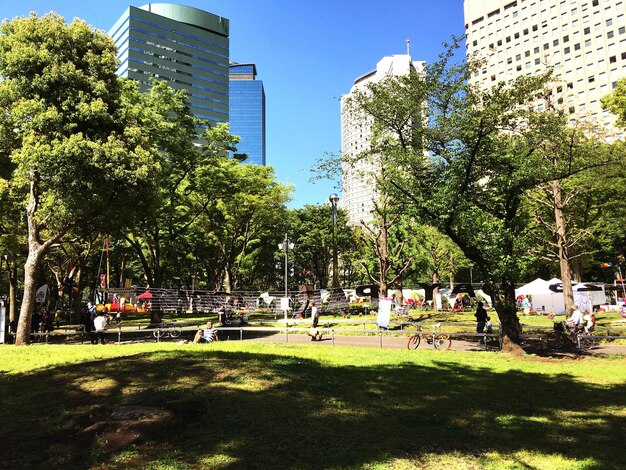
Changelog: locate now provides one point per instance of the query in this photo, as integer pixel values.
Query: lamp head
(333, 198)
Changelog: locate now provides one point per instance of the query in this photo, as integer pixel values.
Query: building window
(612, 59)
(587, 30)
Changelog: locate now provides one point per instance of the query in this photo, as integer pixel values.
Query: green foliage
(311, 229)
(462, 160)
(64, 127)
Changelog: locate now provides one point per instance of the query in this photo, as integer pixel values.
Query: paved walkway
(395, 342)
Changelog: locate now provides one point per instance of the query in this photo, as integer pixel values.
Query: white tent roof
(538, 286)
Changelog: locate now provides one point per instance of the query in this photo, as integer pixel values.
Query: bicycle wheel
(175, 333)
(556, 340)
(158, 333)
(414, 342)
(443, 342)
(587, 343)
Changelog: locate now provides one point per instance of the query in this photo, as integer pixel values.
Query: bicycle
(561, 336)
(439, 340)
(165, 330)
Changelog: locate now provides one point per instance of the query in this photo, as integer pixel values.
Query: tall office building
(358, 186)
(583, 40)
(247, 111)
(184, 46)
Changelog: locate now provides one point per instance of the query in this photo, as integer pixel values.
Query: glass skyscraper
(184, 46)
(247, 111)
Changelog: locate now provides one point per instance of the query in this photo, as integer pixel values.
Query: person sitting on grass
(206, 335)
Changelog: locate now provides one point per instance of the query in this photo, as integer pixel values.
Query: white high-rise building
(358, 186)
(583, 40)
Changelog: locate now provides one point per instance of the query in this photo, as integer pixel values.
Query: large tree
(80, 158)
(485, 150)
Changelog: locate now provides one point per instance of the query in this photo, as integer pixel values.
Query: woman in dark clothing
(481, 318)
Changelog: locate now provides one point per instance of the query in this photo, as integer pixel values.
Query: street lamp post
(286, 246)
(334, 199)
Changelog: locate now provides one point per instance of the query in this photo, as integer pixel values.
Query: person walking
(315, 317)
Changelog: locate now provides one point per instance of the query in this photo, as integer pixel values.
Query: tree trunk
(76, 298)
(28, 300)
(561, 242)
(436, 280)
(503, 299)
(577, 270)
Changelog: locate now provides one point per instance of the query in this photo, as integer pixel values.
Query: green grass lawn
(256, 405)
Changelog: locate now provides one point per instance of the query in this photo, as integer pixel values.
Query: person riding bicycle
(575, 321)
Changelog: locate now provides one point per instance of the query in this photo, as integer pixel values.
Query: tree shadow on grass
(241, 410)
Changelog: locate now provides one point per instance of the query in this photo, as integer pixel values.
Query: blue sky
(308, 54)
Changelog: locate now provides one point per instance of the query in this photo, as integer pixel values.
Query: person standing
(100, 327)
(481, 318)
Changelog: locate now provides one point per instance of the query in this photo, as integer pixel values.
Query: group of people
(578, 321)
(42, 320)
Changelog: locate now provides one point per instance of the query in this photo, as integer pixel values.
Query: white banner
(384, 312)
(42, 293)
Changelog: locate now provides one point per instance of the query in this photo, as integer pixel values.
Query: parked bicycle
(439, 340)
(167, 330)
(561, 336)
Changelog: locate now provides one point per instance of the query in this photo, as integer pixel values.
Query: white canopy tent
(543, 298)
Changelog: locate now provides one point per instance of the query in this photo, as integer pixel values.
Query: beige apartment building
(584, 41)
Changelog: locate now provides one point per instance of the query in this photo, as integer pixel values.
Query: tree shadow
(241, 410)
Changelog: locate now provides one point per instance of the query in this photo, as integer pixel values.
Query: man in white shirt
(99, 324)
(575, 321)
